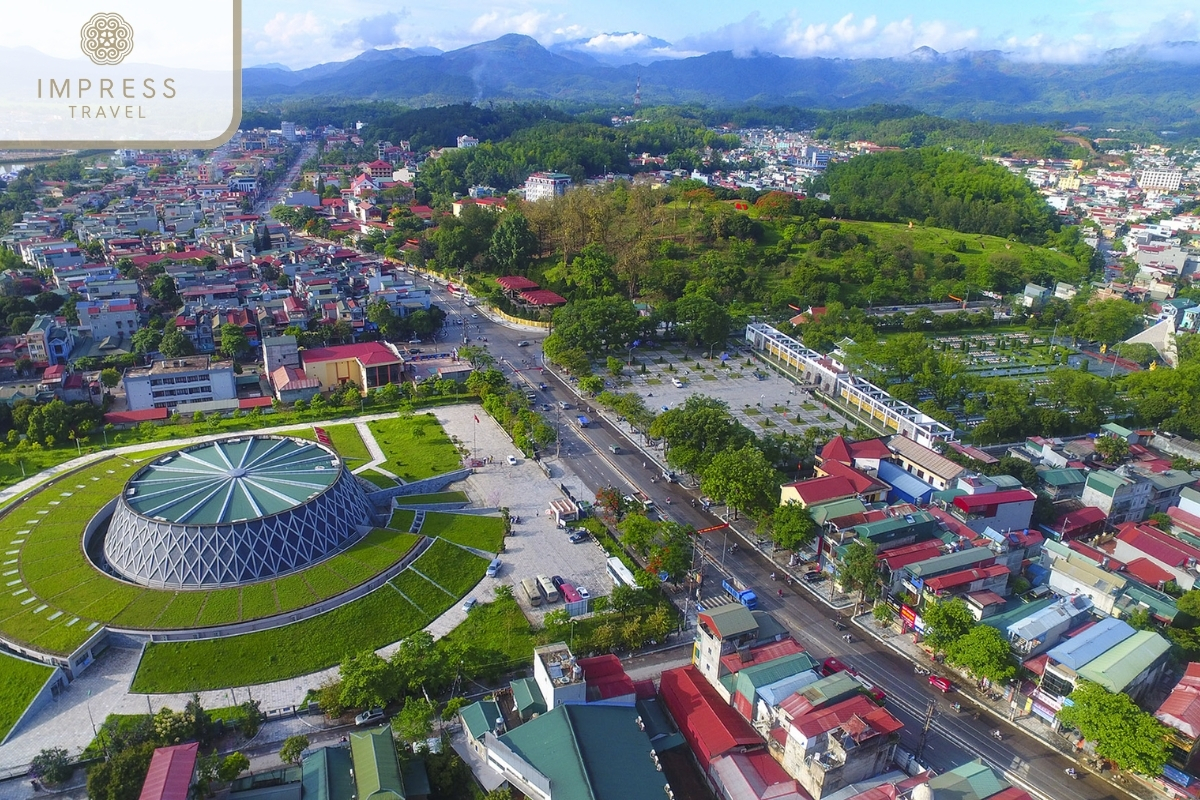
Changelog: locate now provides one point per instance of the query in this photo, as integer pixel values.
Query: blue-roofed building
(906, 487)
(1065, 661)
(771, 695)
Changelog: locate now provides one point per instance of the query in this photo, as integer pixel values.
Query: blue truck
(740, 592)
(583, 421)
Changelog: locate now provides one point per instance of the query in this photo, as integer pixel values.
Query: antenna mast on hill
(637, 95)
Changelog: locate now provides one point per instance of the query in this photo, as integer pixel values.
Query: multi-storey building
(172, 382)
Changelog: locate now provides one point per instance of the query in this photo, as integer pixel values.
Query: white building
(172, 382)
(467, 141)
(546, 185)
(288, 130)
(104, 318)
(1163, 179)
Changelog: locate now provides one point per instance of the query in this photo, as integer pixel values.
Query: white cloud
(497, 23)
(377, 31)
(289, 30)
(617, 42)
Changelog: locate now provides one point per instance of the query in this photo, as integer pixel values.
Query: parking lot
(536, 546)
(762, 400)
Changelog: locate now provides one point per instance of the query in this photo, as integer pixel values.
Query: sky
(300, 33)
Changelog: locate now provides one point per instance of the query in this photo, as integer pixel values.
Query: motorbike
(957, 707)
(1071, 772)
(841, 626)
(999, 737)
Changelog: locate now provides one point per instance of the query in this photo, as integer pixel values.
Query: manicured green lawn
(377, 478)
(416, 446)
(348, 444)
(482, 533)
(451, 567)
(55, 597)
(20, 681)
(429, 598)
(498, 627)
(380, 618)
(402, 519)
(433, 497)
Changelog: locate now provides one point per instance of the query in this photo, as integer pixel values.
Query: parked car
(678, 384)
(471, 603)
(493, 568)
(583, 592)
(369, 716)
(414, 341)
(412, 351)
(814, 577)
(512, 461)
(557, 581)
(577, 536)
(938, 682)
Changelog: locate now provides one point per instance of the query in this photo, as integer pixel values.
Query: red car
(832, 665)
(939, 682)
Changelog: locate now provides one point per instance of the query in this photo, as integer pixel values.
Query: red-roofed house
(515, 283)
(979, 579)
(711, 726)
(816, 491)
(606, 680)
(1000, 511)
(542, 297)
(831, 748)
(860, 455)
(170, 774)
(867, 488)
(754, 775)
(1180, 712)
(735, 662)
(1078, 524)
(368, 364)
(1140, 541)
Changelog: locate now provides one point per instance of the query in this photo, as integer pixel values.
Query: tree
(52, 765)
(702, 320)
(232, 765)
(946, 621)
(742, 479)
(293, 749)
(985, 652)
(696, 431)
(109, 378)
(883, 614)
(146, 340)
(121, 777)
(1112, 449)
(792, 527)
(591, 273)
(638, 533)
(591, 384)
(163, 290)
(175, 345)
(367, 680)
(234, 341)
(1119, 730)
(419, 664)
(859, 570)
(672, 551)
(615, 366)
(513, 244)
(414, 723)
(1108, 321)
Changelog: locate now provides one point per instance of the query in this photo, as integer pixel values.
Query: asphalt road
(954, 738)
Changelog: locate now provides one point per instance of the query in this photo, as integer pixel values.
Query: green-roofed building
(1121, 498)
(1130, 667)
(833, 689)
(1061, 484)
(326, 774)
(376, 768)
(527, 698)
(1160, 604)
(579, 752)
(480, 718)
(836, 509)
(894, 530)
(751, 679)
(951, 562)
(971, 781)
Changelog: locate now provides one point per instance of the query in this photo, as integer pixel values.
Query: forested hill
(986, 85)
(938, 188)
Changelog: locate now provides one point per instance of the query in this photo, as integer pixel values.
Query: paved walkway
(536, 547)
(377, 454)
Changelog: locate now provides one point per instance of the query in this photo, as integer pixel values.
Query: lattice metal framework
(234, 511)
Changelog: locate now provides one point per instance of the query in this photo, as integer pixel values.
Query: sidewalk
(1028, 723)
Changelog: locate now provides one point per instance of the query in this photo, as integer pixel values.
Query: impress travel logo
(140, 73)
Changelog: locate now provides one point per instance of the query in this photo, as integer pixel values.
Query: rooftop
(231, 480)
(559, 663)
(1121, 665)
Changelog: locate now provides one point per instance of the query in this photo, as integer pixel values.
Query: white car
(474, 316)
(583, 592)
(512, 461)
(522, 343)
(471, 603)
(369, 716)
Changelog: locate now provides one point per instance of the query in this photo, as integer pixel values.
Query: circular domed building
(234, 511)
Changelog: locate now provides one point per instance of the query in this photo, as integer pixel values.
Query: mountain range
(1122, 87)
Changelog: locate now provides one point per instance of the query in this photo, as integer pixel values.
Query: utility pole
(925, 731)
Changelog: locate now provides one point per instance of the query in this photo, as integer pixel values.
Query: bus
(548, 590)
(530, 590)
(569, 595)
(620, 574)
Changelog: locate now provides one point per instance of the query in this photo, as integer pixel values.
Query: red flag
(476, 418)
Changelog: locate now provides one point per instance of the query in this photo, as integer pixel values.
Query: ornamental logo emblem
(106, 39)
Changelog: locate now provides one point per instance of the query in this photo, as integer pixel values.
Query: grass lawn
(808, 406)
(348, 444)
(380, 618)
(433, 497)
(377, 478)
(454, 569)
(21, 681)
(751, 412)
(402, 519)
(497, 627)
(416, 447)
(482, 533)
(653, 382)
(706, 377)
(429, 598)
